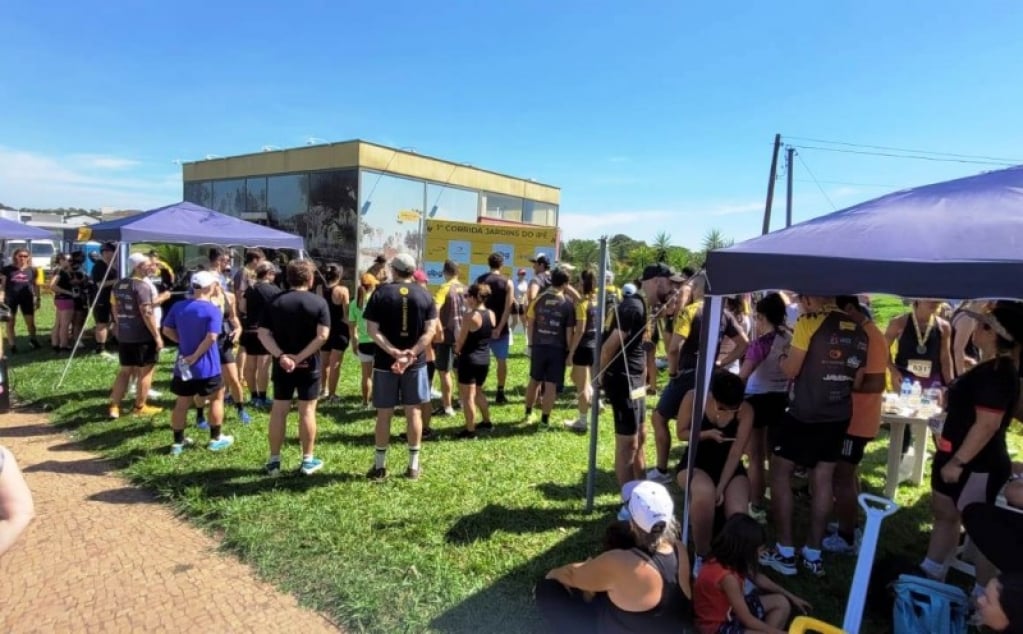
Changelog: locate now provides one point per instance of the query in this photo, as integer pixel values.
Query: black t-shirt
(292, 318)
(18, 280)
(630, 317)
(257, 297)
(401, 309)
(553, 314)
(499, 289)
(99, 270)
(992, 385)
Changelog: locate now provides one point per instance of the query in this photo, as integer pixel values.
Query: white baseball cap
(650, 504)
(203, 279)
(138, 259)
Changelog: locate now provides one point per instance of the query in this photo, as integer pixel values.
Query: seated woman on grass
(718, 478)
(722, 604)
(645, 589)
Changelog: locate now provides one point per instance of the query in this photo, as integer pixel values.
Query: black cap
(108, 246)
(541, 259)
(656, 270)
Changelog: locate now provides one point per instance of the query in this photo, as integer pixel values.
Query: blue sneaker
(311, 466)
(221, 443)
(178, 448)
(244, 417)
(228, 400)
(200, 421)
(272, 468)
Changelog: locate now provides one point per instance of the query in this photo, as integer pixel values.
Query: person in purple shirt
(195, 325)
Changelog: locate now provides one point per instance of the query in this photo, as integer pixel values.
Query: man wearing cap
(138, 333)
(501, 301)
(656, 291)
(195, 324)
(104, 283)
(624, 360)
(553, 321)
(541, 280)
(401, 318)
(293, 328)
(450, 308)
(254, 301)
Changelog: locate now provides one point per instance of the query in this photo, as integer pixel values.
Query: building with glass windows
(354, 200)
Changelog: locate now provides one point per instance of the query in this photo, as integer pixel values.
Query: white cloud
(32, 179)
(687, 224)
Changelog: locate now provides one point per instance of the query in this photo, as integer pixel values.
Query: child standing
(721, 603)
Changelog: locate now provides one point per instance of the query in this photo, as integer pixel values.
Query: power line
(830, 182)
(810, 172)
(997, 159)
(1000, 163)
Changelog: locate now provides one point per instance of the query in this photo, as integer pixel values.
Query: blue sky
(650, 116)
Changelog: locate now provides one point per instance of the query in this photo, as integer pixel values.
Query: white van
(43, 251)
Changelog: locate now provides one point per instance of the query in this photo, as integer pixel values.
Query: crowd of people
(798, 391)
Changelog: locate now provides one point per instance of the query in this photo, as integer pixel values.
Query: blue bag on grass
(926, 606)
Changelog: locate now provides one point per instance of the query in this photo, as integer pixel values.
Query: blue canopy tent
(957, 239)
(14, 230)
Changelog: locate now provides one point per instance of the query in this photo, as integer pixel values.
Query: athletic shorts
(852, 449)
(409, 388)
(64, 303)
(251, 344)
(547, 364)
(472, 373)
(226, 349)
(301, 384)
(336, 342)
(518, 309)
(366, 352)
(23, 301)
(137, 355)
(628, 413)
(197, 387)
(712, 467)
(584, 356)
(674, 392)
(444, 356)
(973, 486)
(768, 408)
(499, 347)
(101, 313)
(808, 444)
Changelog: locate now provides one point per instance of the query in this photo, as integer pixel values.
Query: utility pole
(789, 151)
(770, 184)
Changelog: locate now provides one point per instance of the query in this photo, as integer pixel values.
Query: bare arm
(741, 342)
(947, 365)
(509, 301)
(738, 447)
(674, 349)
(612, 345)
(16, 507)
(963, 333)
(891, 334)
(267, 339)
(593, 575)
(475, 322)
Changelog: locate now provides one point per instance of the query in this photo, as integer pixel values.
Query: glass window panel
(255, 194)
(287, 199)
(330, 228)
(389, 209)
(199, 192)
(538, 213)
(452, 203)
(229, 196)
(501, 206)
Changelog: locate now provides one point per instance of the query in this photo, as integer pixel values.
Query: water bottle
(906, 389)
(915, 394)
(184, 369)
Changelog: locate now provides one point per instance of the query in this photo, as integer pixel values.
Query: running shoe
(578, 425)
(178, 448)
(413, 474)
(114, 412)
(434, 394)
(146, 410)
(773, 559)
(310, 466)
(835, 543)
(814, 566)
(485, 426)
(532, 418)
(272, 468)
(465, 434)
(200, 421)
(228, 400)
(758, 512)
(658, 476)
(154, 393)
(377, 475)
(221, 443)
(501, 399)
(244, 417)
(34, 343)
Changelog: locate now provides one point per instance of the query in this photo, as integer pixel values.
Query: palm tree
(715, 239)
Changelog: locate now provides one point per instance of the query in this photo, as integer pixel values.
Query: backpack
(923, 605)
(451, 312)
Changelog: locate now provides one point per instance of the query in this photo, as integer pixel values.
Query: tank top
(672, 615)
(476, 349)
(925, 366)
(711, 452)
(767, 377)
(589, 339)
(355, 312)
(338, 327)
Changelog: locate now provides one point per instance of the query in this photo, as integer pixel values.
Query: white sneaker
(577, 425)
(836, 544)
(154, 393)
(434, 394)
(656, 475)
(449, 411)
(132, 387)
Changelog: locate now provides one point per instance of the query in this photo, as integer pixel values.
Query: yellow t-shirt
(807, 325)
(442, 292)
(684, 320)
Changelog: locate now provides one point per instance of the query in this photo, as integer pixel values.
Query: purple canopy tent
(14, 230)
(958, 239)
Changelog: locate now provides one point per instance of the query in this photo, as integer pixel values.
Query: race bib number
(920, 368)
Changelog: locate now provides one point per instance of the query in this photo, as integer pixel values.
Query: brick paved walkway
(103, 556)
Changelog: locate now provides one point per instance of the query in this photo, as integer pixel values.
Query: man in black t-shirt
(104, 282)
(400, 317)
(552, 326)
(293, 328)
(501, 300)
(254, 300)
(624, 360)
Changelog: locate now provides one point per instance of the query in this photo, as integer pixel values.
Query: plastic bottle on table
(915, 394)
(906, 389)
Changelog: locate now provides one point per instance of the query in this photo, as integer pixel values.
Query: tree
(715, 239)
(581, 253)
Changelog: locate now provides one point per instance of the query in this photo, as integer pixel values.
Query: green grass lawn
(457, 551)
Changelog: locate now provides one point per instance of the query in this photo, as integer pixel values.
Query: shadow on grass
(228, 482)
(41, 428)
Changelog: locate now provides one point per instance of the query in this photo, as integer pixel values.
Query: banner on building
(469, 245)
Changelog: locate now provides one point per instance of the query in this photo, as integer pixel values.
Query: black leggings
(564, 609)
(998, 534)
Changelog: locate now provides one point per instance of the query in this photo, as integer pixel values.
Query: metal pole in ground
(788, 185)
(591, 476)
